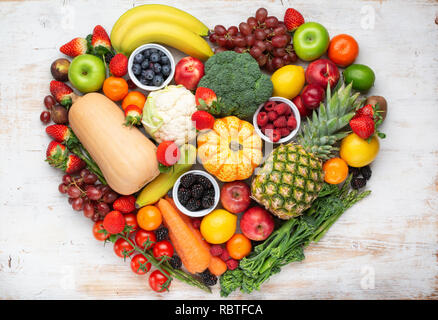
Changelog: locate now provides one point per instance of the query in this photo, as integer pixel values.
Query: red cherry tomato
(162, 248)
(140, 265)
(131, 220)
(122, 247)
(98, 225)
(156, 281)
(142, 236)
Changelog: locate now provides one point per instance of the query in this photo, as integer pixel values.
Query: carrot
(197, 257)
(216, 266)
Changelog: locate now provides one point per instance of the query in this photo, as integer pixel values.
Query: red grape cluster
(264, 37)
(84, 194)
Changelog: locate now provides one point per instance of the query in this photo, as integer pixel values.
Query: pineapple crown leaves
(321, 132)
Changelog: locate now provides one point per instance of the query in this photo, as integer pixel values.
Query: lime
(362, 77)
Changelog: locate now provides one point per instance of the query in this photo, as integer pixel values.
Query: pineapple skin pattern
(289, 181)
(292, 176)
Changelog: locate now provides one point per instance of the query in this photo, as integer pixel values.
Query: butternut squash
(125, 156)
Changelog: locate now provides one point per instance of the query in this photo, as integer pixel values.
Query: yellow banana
(169, 34)
(154, 12)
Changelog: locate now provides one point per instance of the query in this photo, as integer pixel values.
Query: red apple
(312, 95)
(304, 112)
(257, 224)
(188, 72)
(235, 196)
(321, 72)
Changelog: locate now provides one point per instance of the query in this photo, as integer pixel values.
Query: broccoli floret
(238, 82)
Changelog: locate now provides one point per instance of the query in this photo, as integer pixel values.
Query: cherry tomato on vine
(122, 247)
(142, 236)
(140, 265)
(157, 279)
(98, 225)
(162, 248)
(131, 220)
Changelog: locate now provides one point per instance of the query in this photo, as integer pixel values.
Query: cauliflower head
(167, 115)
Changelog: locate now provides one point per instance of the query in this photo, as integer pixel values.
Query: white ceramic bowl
(295, 111)
(131, 62)
(199, 213)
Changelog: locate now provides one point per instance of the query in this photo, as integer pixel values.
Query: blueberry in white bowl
(151, 67)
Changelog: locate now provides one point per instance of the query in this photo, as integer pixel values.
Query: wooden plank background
(383, 248)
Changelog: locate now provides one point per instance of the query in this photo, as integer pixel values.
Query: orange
(136, 98)
(343, 50)
(335, 170)
(115, 88)
(149, 218)
(239, 246)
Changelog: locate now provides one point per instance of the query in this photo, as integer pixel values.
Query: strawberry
(272, 115)
(63, 93)
(281, 108)
(363, 126)
(132, 115)
(203, 120)
(205, 95)
(168, 153)
(119, 65)
(114, 222)
(73, 164)
(262, 119)
(56, 153)
(63, 134)
(75, 47)
(124, 204)
(100, 42)
(280, 122)
(367, 110)
(207, 100)
(291, 122)
(293, 19)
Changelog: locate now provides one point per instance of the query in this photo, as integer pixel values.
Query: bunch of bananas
(160, 24)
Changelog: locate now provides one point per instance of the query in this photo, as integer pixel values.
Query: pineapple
(291, 176)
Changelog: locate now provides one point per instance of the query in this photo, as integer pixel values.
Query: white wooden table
(383, 248)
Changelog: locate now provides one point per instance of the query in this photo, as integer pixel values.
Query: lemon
(358, 152)
(288, 81)
(218, 226)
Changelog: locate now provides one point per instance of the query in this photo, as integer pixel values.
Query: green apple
(87, 73)
(311, 40)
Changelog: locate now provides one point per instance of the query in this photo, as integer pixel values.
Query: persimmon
(335, 170)
(115, 88)
(239, 246)
(134, 97)
(343, 50)
(149, 218)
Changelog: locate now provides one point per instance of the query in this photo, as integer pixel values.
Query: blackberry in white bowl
(151, 67)
(196, 193)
